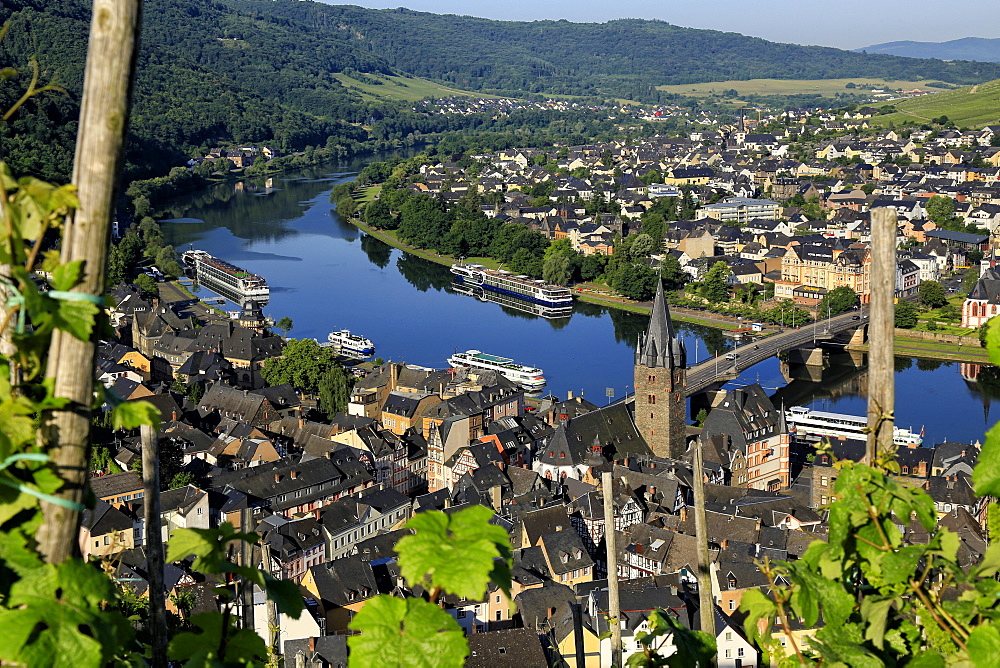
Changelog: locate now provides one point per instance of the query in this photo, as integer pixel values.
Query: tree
(970, 279)
(906, 315)
(592, 266)
(642, 246)
(557, 268)
(674, 277)
(932, 294)
(284, 324)
(302, 364)
(334, 390)
(377, 214)
(837, 301)
(714, 286)
(940, 209)
(635, 281)
(147, 286)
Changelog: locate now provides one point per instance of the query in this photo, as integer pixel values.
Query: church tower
(660, 377)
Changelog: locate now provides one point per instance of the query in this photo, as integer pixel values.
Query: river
(325, 274)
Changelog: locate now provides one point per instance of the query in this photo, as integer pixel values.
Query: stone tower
(660, 377)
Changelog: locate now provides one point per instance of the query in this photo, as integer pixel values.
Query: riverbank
(599, 295)
(936, 350)
(586, 292)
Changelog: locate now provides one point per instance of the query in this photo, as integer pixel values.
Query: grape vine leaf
(986, 475)
(54, 617)
(984, 645)
(455, 552)
(242, 647)
(406, 632)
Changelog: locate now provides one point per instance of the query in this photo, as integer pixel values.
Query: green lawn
(403, 88)
(366, 195)
(970, 106)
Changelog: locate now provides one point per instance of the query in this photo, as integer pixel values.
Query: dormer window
(564, 557)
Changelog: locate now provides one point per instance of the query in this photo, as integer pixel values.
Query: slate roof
(116, 484)
(509, 648)
(611, 426)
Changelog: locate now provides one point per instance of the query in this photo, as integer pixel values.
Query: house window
(729, 653)
(651, 399)
(200, 511)
(499, 615)
(461, 614)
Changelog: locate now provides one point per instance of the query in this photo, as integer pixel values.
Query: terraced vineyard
(970, 106)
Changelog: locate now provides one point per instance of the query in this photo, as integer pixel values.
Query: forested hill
(238, 71)
(623, 57)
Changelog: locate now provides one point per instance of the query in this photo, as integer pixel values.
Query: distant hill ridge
(967, 48)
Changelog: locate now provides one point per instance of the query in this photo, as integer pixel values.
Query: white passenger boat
(530, 378)
(352, 344)
(811, 425)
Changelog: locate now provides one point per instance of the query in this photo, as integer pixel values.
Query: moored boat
(810, 425)
(520, 286)
(232, 282)
(349, 343)
(530, 378)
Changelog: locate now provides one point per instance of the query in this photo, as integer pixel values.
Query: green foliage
(837, 301)
(691, 648)
(460, 553)
(53, 616)
(406, 632)
(714, 287)
(284, 324)
(211, 549)
(303, 364)
(334, 390)
(906, 315)
(883, 601)
(635, 281)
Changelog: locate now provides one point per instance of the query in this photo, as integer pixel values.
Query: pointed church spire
(661, 347)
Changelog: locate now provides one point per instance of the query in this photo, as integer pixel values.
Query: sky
(847, 24)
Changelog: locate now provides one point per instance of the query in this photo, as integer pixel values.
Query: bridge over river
(721, 369)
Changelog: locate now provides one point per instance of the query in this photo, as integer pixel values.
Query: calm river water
(326, 274)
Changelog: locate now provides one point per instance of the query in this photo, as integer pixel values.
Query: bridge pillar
(807, 356)
(860, 336)
(708, 400)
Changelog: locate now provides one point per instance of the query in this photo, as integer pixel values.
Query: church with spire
(660, 376)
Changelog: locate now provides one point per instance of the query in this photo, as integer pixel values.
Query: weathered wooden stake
(614, 605)
(154, 543)
(104, 112)
(881, 333)
(706, 603)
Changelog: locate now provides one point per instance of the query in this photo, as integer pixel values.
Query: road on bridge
(703, 375)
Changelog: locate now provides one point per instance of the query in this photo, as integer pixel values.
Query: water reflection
(378, 252)
(423, 274)
(513, 305)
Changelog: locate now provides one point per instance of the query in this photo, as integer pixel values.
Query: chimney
(447, 501)
(495, 497)
(393, 376)
(569, 395)
(638, 548)
(312, 644)
(673, 590)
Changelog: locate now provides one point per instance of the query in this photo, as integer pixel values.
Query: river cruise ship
(230, 281)
(527, 377)
(505, 282)
(809, 425)
(352, 344)
(511, 302)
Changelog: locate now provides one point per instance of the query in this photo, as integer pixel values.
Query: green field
(403, 88)
(825, 87)
(969, 106)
